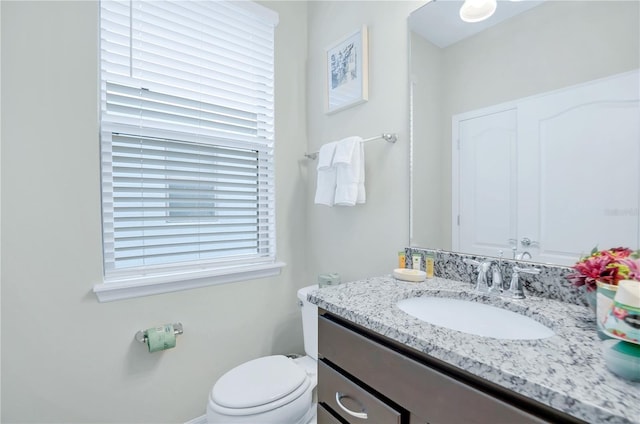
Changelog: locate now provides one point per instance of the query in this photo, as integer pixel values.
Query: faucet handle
(482, 285)
(482, 266)
(516, 290)
(533, 271)
(527, 242)
(471, 261)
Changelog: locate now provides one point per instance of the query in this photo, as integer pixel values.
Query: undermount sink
(474, 318)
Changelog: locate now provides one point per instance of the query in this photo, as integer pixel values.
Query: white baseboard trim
(199, 420)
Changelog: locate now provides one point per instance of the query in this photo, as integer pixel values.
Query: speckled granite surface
(566, 371)
(550, 283)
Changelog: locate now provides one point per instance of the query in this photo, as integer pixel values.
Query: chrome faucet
(498, 286)
(525, 242)
(521, 256)
(496, 279)
(482, 284)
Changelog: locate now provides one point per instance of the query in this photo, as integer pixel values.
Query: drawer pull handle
(362, 415)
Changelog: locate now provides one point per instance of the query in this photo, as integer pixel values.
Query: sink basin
(474, 318)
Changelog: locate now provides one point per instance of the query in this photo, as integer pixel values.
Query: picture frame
(347, 73)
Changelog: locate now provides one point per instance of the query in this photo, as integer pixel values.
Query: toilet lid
(258, 382)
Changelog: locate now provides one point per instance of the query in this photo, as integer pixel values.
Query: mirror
(525, 49)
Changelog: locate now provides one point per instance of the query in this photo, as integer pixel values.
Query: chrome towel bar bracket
(388, 137)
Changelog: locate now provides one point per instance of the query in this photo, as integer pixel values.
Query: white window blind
(187, 136)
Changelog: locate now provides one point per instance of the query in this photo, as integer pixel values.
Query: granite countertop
(565, 371)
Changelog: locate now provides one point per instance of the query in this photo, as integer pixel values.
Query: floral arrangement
(607, 266)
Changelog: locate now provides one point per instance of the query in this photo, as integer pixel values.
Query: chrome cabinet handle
(526, 242)
(362, 415)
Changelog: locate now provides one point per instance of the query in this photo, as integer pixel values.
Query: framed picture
(347, 65)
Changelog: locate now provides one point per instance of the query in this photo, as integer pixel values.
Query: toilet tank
(309, 322)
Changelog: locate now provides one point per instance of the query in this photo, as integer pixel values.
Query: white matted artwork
(347, 74)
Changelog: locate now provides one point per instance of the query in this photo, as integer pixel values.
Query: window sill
(127, 288)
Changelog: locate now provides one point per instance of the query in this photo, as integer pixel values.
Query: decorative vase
(623, 319)
(604, 303)
(591, 298)
(622, 358)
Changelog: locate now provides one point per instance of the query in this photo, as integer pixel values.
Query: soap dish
(407, 274)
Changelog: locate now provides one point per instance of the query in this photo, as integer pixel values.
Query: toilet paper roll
(160, 338)
(328, 279)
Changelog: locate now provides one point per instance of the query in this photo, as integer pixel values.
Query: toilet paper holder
(142, 338)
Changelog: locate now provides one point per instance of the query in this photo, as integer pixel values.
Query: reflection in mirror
(546, 104)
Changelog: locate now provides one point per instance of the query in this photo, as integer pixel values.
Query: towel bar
(388, 137)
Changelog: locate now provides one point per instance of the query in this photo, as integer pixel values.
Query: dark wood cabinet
(325, 417)
(394, 384)
(351, 401)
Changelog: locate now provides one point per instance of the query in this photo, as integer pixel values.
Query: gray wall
(428, 148)
(362, 240)
(66, 357)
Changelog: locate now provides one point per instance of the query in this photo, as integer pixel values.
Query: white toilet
(272, 389)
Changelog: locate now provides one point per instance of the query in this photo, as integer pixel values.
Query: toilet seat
(258, 386)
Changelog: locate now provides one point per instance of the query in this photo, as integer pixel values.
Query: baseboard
(198, 420)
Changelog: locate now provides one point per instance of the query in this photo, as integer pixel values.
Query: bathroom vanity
(392, 383)
(377, 361)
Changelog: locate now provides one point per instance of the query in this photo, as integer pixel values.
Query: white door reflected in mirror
(538, 173)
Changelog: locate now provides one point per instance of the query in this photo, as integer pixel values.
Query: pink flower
(608, 266)
(634, 268)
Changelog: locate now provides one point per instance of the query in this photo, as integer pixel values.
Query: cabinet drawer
(417, 387)
(333, 387)
(325, 417)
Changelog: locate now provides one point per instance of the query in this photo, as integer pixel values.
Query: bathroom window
(187, 144)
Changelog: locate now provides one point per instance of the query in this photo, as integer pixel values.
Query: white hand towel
(349, 164)
(326, 181)
(361, 192)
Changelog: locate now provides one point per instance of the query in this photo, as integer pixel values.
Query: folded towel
(361, 193)
(349, 163)
(344, 150)
(326, 155)
(326, 182)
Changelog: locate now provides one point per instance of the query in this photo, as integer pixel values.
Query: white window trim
(119, 287)
(127, 288)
